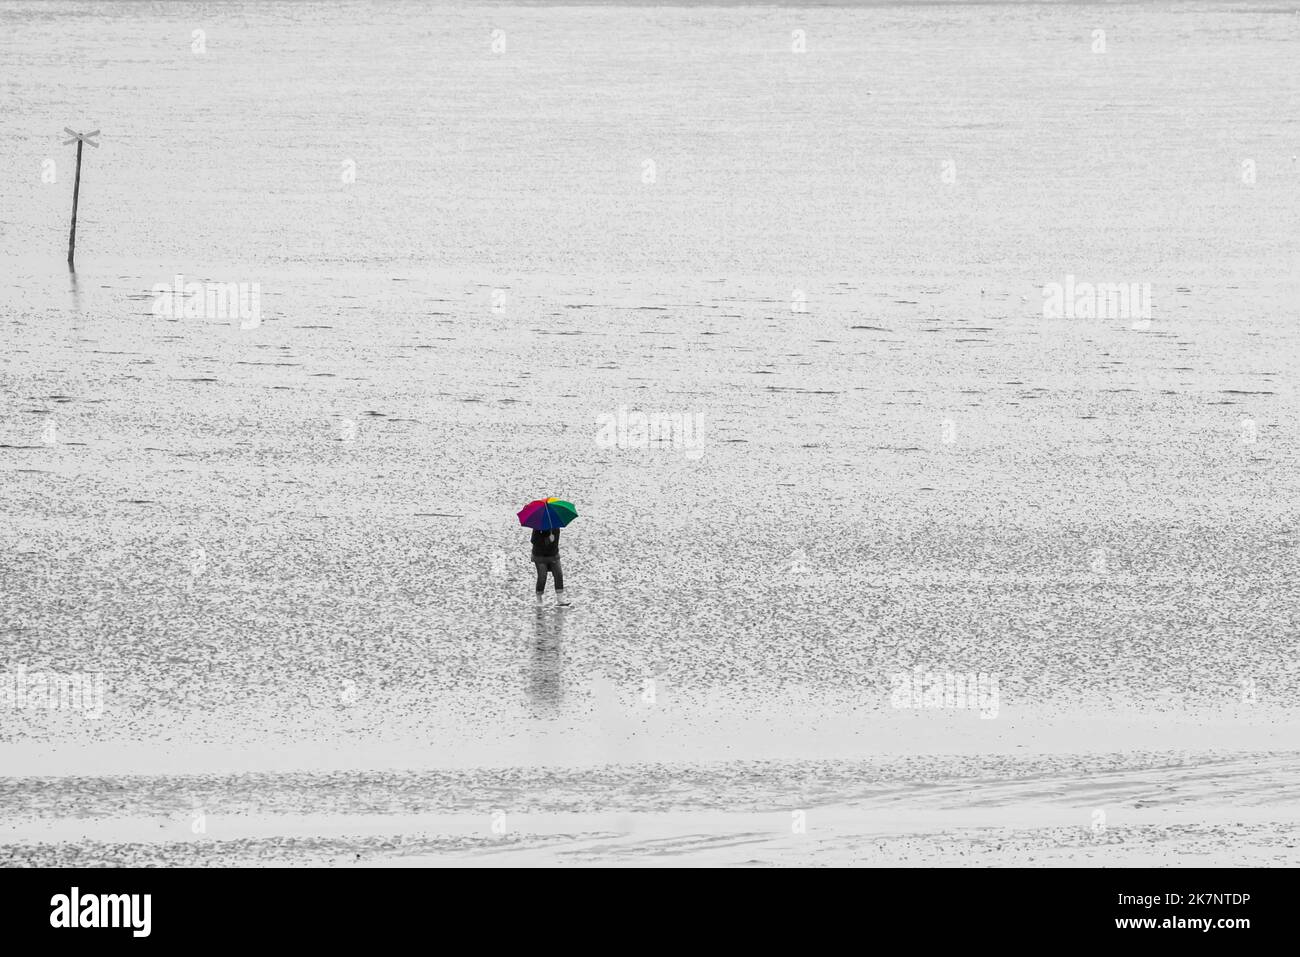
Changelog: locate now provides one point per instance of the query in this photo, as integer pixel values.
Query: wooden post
(76, 189)
(80, 139)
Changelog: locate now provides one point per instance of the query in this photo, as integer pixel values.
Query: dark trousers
(551, 564)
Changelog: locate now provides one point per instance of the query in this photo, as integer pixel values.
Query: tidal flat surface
(290, 550)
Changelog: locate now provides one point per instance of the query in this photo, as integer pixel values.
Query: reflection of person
(546, 555)
(545, 665)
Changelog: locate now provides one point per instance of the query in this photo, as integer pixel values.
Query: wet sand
(291, 550)
(1135, 809)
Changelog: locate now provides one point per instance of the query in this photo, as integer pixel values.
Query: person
(546, 556)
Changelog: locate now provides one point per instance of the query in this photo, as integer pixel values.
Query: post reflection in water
(545, 663)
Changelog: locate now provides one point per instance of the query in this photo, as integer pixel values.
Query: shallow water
(294, 545)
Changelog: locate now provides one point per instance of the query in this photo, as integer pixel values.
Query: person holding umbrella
(546, 517)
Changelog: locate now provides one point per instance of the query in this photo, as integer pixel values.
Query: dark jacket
(543, 548)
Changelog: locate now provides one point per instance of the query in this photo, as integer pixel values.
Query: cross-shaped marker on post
(78, 138)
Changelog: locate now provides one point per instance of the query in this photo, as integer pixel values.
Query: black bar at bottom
(337, 907)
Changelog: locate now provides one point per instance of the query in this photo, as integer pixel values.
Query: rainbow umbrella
(547, 513)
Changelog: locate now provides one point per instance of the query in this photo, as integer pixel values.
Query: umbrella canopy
(547, 513)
